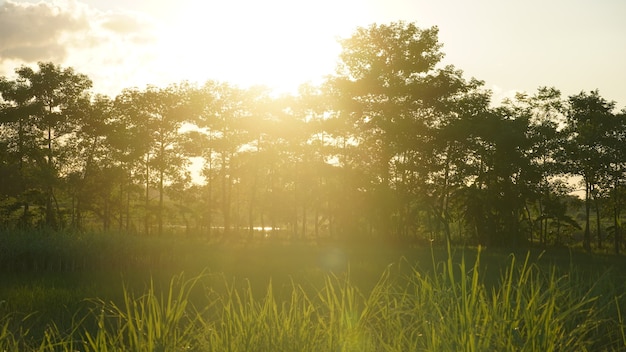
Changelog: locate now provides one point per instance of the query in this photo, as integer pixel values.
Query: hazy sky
(573, 45)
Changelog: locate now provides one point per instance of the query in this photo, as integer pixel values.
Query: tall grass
(150, 322)
(531, 308)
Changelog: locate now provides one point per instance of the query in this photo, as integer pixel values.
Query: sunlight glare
(277, 43)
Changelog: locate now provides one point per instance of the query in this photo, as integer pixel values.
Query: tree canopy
(393, 146)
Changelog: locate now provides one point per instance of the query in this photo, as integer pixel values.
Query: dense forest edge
(391, 146)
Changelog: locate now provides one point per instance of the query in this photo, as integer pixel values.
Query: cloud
(34, 31)
(120, 23)
(129, 26)
(105, 45)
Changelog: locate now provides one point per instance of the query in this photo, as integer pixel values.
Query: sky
(573, 45)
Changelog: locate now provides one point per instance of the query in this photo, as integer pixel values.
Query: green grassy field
(115, 293)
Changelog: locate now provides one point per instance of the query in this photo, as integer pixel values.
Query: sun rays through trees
(392, 146)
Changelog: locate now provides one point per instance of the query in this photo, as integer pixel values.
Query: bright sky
(573, 45)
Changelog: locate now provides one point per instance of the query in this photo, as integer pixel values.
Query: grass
(333, 298)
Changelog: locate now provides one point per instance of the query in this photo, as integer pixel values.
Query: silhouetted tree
(588, 132)
(91, 176)
(384, 87)
(43, 101)
(163, 112)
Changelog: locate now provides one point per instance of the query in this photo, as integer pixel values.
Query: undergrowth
(531, 308)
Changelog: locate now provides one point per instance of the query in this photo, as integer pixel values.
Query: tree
(92, 174)
(222, 111)
(449, 167)
(19, 141)
(43, 103)
(500, 168)
(160, 114)
(545, 113)
(615, 173)
(587, 152)
(386, 87)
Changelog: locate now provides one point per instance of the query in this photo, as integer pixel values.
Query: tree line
(391, 145)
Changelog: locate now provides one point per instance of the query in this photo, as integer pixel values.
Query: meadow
(106, 292)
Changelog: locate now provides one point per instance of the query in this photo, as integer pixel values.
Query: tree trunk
(210, 205)
(78, 215)
(596, 202)
(587, 234)
(106, 222)
(617, 228)
(50, 218)
(226, 190)
(128, 205)
(120, 220)
(147, 198)
(530, 222)
(445, 196)
(304, 219)
(252, 205)
(160, 212)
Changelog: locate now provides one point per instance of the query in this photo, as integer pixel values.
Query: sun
(277, 43)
